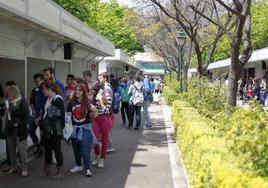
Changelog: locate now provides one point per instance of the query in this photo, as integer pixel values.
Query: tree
(107, 18)
(239, 38)
(192, 23)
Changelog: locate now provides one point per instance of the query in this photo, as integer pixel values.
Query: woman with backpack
(135, 102)
(123, 91)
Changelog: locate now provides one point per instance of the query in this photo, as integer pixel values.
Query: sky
(124, 2)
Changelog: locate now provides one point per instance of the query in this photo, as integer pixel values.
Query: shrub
(206, 156)
(248, 138)
(170, 95)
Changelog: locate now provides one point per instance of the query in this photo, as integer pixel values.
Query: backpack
(116, 103)
(124, 94)
(137, 98)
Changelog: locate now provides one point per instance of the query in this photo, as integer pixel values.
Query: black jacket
(54, 121)
(20, 118)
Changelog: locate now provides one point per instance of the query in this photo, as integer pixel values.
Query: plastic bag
(68, 129)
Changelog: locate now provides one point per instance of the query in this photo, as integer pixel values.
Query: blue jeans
(262, 97)
(82, 149)
(132, 110)
(146, 114)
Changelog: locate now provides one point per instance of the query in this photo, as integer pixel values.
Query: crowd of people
(90, 104)
(253, 89)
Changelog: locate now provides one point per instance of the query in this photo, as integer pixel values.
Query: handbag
(68, 129)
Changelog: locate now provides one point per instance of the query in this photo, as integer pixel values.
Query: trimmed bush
(170, 95)
(205, 153)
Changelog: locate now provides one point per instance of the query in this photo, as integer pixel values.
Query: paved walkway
(141, 159)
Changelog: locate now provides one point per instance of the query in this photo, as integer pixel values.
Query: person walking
(148, 94)
(37, 100)
(123, 91)
(135, 102)
(82, 137)
(53, 124)
(102, 124)
(16, 130)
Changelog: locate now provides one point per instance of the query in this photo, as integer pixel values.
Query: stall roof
(50, 16)
(257, 55)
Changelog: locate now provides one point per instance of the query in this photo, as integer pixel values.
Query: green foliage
(109, 19)
(205, 153)
(259, 30)
(247, 134)
(172, 82)
(170, 95)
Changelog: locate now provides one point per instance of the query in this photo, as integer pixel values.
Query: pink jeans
(102, 125)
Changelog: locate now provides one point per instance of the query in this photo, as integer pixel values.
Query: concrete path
(141, 160)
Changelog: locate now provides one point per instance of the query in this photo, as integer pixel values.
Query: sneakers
(88, 173)
(101, 163)
(76, 169)
(110, 149)
(24, 172)
(123, 124)
(147, 127)
(96, 160)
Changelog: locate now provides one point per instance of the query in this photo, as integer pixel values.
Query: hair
(138, 78)
(152, 79)
(96, 86)
(123, 80)
(1, 91)
(139, 73)
(105, 75)
(38, 75)
(85, 103)
(50, 69)
(10, 83)
(71, 76)
(13, 90)
(87, 73)
(111, 76)
(49, 84)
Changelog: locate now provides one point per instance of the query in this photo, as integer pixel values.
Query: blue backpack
(116, 104)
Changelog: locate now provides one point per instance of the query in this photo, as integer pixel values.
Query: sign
(93, 67)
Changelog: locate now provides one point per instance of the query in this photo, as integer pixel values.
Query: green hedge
(170, 95)
(207, 158)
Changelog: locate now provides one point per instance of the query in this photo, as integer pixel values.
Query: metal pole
(181, 64)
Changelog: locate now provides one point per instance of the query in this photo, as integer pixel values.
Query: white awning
(47, 15)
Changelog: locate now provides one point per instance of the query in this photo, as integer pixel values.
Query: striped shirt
(107, 95)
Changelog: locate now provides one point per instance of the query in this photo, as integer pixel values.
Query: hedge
(207, 158)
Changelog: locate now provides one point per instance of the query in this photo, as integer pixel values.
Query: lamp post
(181, 42)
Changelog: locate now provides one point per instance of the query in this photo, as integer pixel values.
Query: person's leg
(56, 145)
(77, 151)
(22, 148)
(32, 131)
(127, 110)
(146, 114)
(105, 131)
(11, 142)
(96, 130)
(48, 150)
(131, 115)
(123, 113)
(138, 116)
(86, 147)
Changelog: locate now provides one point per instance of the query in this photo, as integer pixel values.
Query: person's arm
(32, 102)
